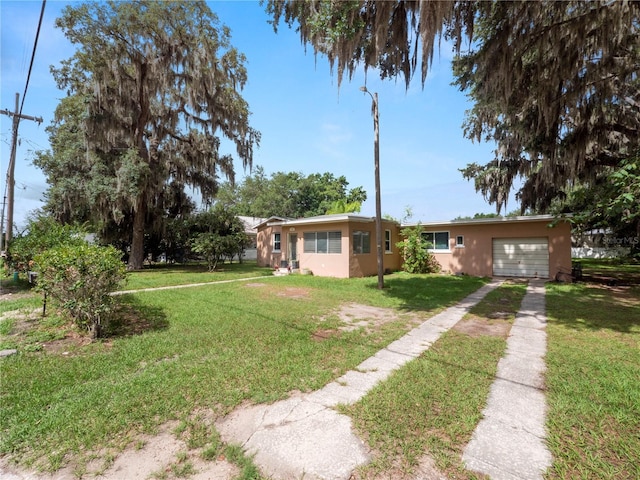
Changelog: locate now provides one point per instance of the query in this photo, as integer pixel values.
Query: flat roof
(497, 220)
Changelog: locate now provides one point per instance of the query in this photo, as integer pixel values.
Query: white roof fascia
(477, 221)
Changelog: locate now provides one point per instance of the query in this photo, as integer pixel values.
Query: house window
(276, 242)
(322, 242)
(387, 241)
(437, 240)
(361, 242)
(460, 241)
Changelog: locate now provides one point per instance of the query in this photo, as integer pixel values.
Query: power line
(17, 115)
(33, 55)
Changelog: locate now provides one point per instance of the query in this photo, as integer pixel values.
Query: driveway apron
(509, 442)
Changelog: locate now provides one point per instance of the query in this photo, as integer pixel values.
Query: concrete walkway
(508, 444)
(189, 285)
(304, 436)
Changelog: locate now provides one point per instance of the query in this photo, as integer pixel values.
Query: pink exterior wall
(265, 256)
(364, 265)
(343, 265)
(475, 258)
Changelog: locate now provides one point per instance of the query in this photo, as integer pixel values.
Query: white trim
(523, 219)
(390, 240)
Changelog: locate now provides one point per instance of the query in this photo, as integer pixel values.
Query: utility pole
(12, 166)
(376, 160)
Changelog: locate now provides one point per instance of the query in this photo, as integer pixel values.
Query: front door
(293, 250)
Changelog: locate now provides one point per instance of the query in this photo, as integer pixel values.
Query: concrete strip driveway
(304, 436)
(509, 442)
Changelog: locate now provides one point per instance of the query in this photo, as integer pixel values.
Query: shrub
(414, 247)
(80, 279)
(42, 233)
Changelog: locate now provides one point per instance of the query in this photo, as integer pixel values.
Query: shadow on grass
(190, 268)
(132, 317)
(595, 307)
(610, 272)
(426, 292)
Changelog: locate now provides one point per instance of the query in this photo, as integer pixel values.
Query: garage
(521, 257)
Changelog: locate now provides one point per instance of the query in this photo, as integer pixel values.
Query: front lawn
(197, 353)
(164, 274)
(200, 349)
(593, 380)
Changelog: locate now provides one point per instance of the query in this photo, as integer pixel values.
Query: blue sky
(307, 123)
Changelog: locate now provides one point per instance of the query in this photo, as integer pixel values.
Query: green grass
(434, 403)
(203, 348)
(160, 275)
(593, 381)
(603, 270)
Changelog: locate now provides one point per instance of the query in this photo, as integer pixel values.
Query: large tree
(159, 82)
(554, 84)
(289, 194)
(85, 186)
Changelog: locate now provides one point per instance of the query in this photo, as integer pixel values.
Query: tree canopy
(290, 194)
(395, 37)
(156, 84)
(553, 84)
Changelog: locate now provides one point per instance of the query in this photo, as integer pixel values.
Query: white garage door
(521, 257)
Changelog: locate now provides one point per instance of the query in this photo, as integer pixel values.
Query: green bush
(80, 279)
(42, 233)
(415, 252)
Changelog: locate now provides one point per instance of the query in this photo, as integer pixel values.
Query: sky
(307, 123)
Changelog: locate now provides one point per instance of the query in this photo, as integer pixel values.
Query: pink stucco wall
(343, 265)
(475, 258)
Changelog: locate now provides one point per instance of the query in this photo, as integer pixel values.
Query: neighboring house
(344, 245)
(533, 246)
(250, 253)
(340, 245)
(600, 243)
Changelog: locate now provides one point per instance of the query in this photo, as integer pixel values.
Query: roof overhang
(496, 220)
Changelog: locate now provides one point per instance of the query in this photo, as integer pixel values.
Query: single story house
(344, 245)
(249, 223)
(340, 245)
(530, 246)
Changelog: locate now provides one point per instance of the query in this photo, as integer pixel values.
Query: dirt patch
(478, 326)
(7, 294)
(323, 334)
(355, 315)
(294, 292)
(284, 292)
(148, 456)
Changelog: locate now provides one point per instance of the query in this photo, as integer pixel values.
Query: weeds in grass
(217, 345)
(593, 384)
(248, 470)
(433, 404)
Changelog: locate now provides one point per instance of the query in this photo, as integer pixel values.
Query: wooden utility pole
(17, 116)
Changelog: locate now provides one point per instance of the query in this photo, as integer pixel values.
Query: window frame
(434, 242)
(459, 241)
(331, 239)
(277, 240)
(387, 241)
(361, 234)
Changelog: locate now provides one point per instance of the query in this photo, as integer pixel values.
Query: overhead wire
(16, 120)
(33, 54)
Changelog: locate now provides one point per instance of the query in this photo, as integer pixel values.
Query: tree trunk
(136, 256)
